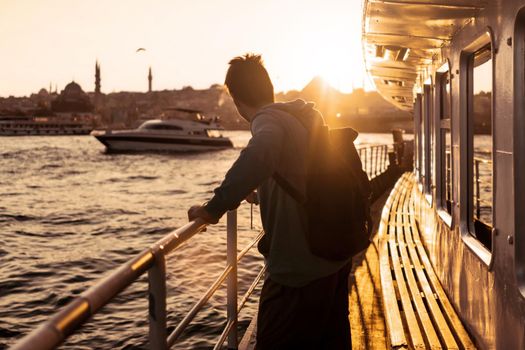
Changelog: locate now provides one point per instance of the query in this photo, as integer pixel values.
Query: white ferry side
(458, 65)
(43, 126)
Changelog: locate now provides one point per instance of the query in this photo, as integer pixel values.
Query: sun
(338, 62)
(341, 67)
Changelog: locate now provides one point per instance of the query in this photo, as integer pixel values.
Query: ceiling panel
(421, 26)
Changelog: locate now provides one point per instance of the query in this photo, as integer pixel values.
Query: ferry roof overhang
(402, 38)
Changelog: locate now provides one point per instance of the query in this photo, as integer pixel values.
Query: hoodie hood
(310, 117)
(300, 109)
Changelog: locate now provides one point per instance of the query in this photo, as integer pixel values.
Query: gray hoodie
(279, 144)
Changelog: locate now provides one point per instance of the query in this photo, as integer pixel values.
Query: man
(304, 299)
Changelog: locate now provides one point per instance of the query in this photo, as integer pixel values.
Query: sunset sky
(187, 42)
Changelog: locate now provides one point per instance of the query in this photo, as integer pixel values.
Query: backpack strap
(285, 185)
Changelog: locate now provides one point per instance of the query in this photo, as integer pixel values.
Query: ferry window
(445, 142)
(427, 139)
(480, 145)
(417, 128)
(422, 143)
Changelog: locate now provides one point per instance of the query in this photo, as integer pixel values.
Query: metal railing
(374, 159)
(446, 182)
(65, 322)
(478, 182)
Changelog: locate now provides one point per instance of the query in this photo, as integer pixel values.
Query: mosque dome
(72, 99)
(72, 89)
(43, 92)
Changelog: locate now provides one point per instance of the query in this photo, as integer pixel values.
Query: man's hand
(198, 211)
(252, 198)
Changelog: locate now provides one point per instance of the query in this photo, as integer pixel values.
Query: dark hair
(247, 81)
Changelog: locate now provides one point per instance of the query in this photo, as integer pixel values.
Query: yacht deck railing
(152, 260)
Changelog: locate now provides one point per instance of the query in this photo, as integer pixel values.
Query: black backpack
(337, 195)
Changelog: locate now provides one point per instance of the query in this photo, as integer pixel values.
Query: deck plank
(435, 311)
(428, 317)
(449, 312)
(406, 301)
(422, 312)
(392, 312)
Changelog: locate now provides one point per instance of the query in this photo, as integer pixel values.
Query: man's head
(249, 84)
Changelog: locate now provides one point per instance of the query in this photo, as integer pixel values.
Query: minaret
(150, 78)
(96, 99)
(97, 78)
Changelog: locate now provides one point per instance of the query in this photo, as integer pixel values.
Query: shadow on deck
(367, 319)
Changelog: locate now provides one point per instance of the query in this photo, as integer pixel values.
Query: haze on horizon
(187, 42)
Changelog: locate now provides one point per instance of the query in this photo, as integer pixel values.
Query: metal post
(376, 160)
(157, 303)
(231, 293)
(380, 160)
(369, 161)
(372, 171)
(478, 201)
(448, 182)
(373, 160)
(385, 157)
(364, 160)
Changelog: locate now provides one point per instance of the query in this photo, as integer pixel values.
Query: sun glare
(333, 55)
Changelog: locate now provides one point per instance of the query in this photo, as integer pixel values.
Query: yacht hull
(128, 143)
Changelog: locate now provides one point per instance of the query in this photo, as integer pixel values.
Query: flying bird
(140, 49)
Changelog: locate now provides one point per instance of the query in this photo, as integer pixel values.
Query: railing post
(157, 303)
(231, 293)
(478, 201)
(385, 157)
(376, 160)
(365, 160)
(371, 162)
(448, 175)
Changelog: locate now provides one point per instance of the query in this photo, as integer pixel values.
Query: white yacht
(174, 135)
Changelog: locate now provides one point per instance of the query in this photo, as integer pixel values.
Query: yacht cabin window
(213, 133)
(479, 125)
(162, 127)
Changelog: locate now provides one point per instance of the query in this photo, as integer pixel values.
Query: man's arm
(256, 163)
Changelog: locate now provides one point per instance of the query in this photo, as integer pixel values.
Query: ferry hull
(30, 132)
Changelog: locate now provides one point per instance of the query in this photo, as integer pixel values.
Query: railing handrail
(54, 331)
(62, 324)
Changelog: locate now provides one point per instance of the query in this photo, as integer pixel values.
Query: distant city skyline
(184, 43)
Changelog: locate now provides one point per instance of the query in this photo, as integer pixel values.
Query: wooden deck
(418, 313)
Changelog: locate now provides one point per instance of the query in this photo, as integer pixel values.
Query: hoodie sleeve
(256, 163)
